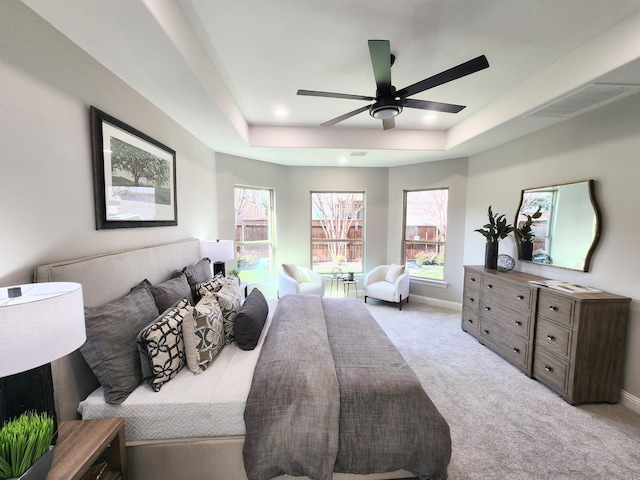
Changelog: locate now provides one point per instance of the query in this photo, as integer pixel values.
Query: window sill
(429, 282)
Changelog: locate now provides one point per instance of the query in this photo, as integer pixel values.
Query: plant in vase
(235, 273)
(525, 235)
(350, 276)
(25, 443)
(494, 231)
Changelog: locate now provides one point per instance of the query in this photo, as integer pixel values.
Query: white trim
(436, 302)
(429, 282)
(630, 401)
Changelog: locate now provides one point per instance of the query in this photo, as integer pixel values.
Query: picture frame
(134, 176)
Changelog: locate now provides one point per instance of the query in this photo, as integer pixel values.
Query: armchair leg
(365, 299)
(400, 303)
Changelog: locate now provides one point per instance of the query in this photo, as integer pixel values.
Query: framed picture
(134, 176)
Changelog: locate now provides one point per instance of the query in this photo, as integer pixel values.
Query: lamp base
(26, 391)
(218, 267)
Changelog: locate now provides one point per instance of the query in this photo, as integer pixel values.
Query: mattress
(210, 404)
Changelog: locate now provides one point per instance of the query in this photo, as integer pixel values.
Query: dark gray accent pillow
(250, 320)
(111, 350)
(198, 272)
(169, 292)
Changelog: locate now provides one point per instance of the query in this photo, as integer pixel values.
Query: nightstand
(81, 443)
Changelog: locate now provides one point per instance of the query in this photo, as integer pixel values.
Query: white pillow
(393, 273)
(291, 270)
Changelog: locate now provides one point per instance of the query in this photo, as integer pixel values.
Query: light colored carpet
(505, 425)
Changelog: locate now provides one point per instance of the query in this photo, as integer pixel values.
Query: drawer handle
(551, 338)
(548, 368)
(553, 309)
(520, 297)
(518, 323)
(469, 320)
(487, 308)
(486, 331)
(473, 279)
(489, 285)
(472, 299)
(516, 349)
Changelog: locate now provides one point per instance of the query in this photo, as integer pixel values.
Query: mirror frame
(598, 226)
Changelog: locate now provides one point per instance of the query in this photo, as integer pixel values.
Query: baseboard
(630, 401)
(436, 302)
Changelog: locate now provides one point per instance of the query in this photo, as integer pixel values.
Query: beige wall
(46, 184)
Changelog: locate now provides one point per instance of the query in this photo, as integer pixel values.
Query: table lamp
(39, 323)
(218, 251)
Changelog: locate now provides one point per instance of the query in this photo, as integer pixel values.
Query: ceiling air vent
(588, 98)
(358, 154)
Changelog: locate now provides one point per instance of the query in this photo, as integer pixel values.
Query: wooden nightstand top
(80, 444)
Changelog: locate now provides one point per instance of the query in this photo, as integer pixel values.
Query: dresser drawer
(472, 280)
(550, 370)
(515, 321)
(470, 321)
(471, 300)
(556, 308)
(513, 348)
(513, 294)
(554, 338)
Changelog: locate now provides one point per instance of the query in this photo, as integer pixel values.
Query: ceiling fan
(389, 102)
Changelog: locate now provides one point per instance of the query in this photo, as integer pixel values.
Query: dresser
(573, 343)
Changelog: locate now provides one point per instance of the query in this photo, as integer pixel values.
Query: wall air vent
(358, 154)
(587, 98)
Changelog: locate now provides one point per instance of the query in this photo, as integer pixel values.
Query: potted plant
(524, 234)
(236, 273)
(494, 231)
(350, 276)
(25, 447)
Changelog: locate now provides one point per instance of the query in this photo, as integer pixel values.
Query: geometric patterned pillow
(210, 286)
(161, 346)
(203, 333)
(229, 300)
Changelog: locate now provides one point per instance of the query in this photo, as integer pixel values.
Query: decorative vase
(40, 469)
(491, 255)
(526, 250)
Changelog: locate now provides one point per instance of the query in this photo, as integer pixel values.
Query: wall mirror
(567, 232)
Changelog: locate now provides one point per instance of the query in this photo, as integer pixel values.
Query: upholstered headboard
(105, 278)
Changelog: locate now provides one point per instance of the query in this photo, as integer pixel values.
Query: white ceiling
(222, 69)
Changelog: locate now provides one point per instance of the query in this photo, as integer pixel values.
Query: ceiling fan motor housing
(385, 108)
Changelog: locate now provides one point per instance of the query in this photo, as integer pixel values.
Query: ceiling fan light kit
(389, 103)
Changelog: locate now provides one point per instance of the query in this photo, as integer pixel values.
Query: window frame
(360, 225)
(271, 220)
(438, 244)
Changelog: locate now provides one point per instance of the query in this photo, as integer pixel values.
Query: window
(337, 231)
(425, 232)
(254, 232)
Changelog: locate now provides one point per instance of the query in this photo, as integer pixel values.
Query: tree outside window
(425, 232)
(337, 231)
(253, 208)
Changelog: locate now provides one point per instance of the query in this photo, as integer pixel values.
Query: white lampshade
(217, 250)
(44, 323)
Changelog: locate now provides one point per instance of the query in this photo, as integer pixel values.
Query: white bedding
(210, 404)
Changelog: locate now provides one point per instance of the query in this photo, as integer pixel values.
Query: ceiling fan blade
(347, 96)
(345, 116)
(388, 123)
(462, 70)
(380, 51)
(435, 106)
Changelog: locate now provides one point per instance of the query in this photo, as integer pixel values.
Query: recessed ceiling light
(280, 113)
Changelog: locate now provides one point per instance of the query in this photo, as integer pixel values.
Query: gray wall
(602, 145)
(46, 184)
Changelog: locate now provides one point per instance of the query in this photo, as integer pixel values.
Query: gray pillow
(111, 350)
(250, 320)
(198, 272)
(168, 293)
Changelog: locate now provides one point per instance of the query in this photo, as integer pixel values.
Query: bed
(212, 443)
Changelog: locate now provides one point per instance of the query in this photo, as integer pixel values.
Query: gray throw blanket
(332, 393)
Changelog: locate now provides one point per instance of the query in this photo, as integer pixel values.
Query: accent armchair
(295, 280)
(387, 282)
